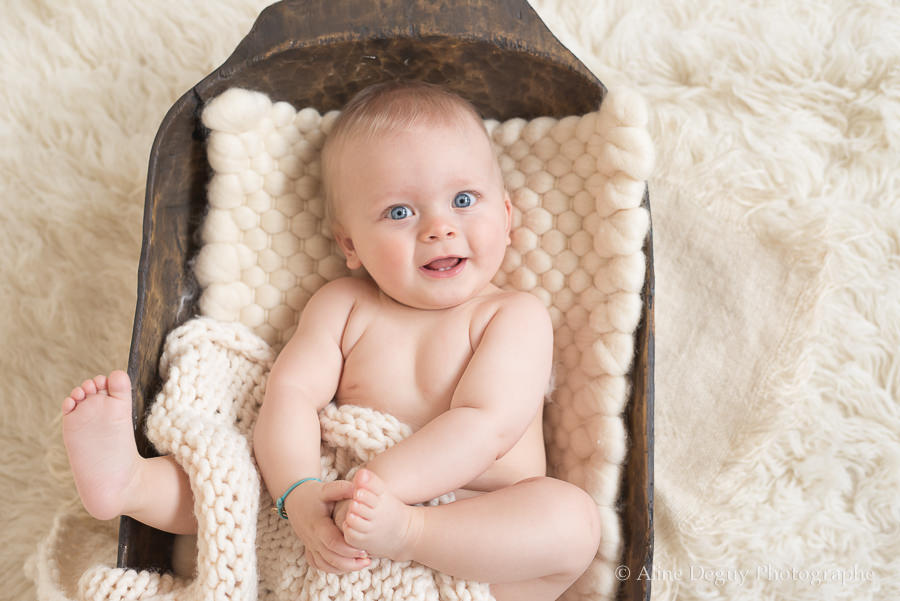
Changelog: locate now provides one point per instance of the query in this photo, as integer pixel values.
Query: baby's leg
(111, 477)
(531, 540)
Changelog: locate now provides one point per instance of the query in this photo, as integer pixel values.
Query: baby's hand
(340, 512)
(310, 515)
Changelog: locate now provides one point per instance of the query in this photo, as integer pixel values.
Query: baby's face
(425, 212)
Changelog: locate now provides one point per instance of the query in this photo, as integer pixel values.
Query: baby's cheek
(380, 249)
(394, 253)
(491, 239)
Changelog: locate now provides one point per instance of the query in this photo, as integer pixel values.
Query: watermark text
(724, 575)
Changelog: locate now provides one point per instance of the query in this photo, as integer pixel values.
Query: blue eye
(399, 212)
(463, 200)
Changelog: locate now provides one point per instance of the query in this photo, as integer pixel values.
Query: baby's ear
(346, 245)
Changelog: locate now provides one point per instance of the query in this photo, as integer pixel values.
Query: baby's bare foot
(99, 440)
(379, 522)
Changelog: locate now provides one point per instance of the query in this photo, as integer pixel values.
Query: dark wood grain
(496, 53)
(636, 495)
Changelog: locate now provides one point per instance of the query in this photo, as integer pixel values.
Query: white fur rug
(777, 239)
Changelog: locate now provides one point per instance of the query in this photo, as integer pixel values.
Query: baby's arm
(498, 396)
(287, 437)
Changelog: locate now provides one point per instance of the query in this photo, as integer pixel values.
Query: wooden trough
(496, 53)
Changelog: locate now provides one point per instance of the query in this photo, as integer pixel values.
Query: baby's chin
(437, 302)
(426, 304)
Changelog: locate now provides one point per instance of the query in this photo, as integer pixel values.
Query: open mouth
(444, 266)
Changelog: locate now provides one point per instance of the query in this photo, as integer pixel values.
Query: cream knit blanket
(215, 375)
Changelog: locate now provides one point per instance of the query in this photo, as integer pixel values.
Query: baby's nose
(438, 229)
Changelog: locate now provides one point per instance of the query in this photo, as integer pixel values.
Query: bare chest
(405, 363)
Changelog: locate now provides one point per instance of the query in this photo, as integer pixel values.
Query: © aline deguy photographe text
(740, 575)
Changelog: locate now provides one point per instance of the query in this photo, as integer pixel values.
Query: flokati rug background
(777, 246)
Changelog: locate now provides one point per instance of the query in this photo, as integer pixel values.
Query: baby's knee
(583, 529)
(573, 517)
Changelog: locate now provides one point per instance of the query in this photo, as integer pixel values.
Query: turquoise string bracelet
(279, 504)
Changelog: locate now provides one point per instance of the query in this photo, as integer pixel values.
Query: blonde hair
(389, 107)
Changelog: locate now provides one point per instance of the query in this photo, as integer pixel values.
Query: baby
(415, 197)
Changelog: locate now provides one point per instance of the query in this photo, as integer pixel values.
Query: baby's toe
(89, 387)
(364, 498)
(100, 382)
(355, 529)
(361, 510)
(77, 394)
(68, 405)
(368, 480)
(119, 385)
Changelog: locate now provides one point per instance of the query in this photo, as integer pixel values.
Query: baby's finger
(311, 559)
(316, 561)
(336, 490)
(340, 512)
(337, 564)
(324, 560)
(335, 543)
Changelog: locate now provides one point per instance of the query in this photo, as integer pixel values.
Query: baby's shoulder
(339, 298)
(347, 289)
(516, 302)
(510, 309)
